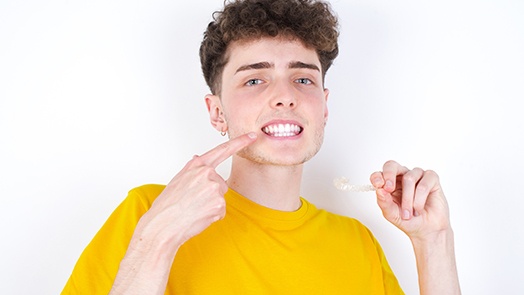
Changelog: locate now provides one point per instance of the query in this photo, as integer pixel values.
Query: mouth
(282, 130)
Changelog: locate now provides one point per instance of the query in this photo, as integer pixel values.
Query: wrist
(155, 241)
(441, 238)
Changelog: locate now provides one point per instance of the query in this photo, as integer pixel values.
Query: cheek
(241, 119)
(319, 110)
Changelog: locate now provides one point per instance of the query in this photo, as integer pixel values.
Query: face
(272, 86)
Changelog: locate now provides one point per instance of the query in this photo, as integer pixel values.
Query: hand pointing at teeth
(191, 201)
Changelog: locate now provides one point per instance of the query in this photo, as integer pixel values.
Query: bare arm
(191, 201)
(414, 202)
(437, 271)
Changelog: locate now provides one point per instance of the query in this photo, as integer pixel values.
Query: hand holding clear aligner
(342, 184)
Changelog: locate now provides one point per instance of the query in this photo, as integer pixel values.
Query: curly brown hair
(310, 21)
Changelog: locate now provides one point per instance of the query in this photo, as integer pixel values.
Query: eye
(304, 81)
(253, 82)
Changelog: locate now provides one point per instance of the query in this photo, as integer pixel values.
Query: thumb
(390, 209)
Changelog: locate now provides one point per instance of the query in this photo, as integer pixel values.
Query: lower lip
(283, 137)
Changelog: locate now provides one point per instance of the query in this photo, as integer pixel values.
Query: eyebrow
(255, 66)
(267, 65)
(301, 65)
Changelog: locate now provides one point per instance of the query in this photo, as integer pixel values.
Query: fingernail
(389, 184)
(252, 135)
(406, 214)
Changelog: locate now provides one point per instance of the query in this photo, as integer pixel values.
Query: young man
(265, 62)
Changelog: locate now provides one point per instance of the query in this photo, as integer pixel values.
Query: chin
(292, 159)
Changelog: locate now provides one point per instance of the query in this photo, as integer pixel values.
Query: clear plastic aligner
(342, 184)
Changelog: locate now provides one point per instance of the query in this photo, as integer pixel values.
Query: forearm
(436, 264)
(146, 266)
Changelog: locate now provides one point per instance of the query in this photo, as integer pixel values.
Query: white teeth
(282, 130)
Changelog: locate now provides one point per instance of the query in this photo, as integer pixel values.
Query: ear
(326, 112)
(216, 115)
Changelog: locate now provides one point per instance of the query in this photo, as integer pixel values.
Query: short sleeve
(391, 284)
(98, 264)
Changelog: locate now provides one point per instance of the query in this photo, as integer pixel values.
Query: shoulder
(148, 190)
(333, 219)
(345, 221)
(145, 194)
(334, 222)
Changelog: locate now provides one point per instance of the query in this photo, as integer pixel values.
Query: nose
(283, 96)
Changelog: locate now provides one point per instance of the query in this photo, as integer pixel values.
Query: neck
(275, 187)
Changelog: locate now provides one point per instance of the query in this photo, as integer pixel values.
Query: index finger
(225, 150)
(390, 172)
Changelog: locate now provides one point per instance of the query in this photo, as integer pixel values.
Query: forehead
(275, 50)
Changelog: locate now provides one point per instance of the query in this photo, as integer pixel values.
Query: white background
(97, 97)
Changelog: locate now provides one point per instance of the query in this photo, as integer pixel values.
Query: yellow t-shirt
(253, 250)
